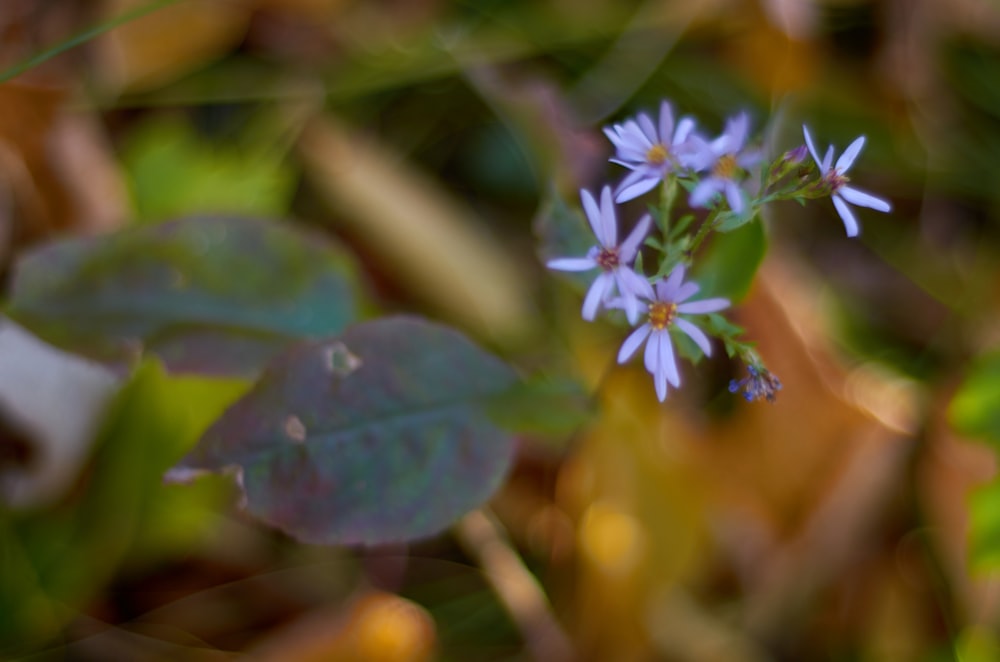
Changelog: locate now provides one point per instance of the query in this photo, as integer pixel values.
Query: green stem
(81, 38)
(668, 193)
(703, 233)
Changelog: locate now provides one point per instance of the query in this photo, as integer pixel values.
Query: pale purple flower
(835, 175)
(727, 158)
(611, 257)
(665, 310)
(649, 150)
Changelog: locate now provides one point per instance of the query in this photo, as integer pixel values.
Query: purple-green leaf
(379, 435)
(216, 295)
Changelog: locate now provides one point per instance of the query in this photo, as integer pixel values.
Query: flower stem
(668, 192)
(702, 234)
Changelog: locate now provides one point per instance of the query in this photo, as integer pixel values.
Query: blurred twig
(516, 587)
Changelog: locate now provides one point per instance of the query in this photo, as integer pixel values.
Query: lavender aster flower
(727, 158)
(650, 151)
(664, 312)
(612, 258)
(835, 175)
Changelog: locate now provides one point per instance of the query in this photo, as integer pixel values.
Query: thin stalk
(703, 233)
(82, 38)
(668, 193)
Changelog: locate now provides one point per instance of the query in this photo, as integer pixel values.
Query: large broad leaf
(216, 295)
(377, 436)
(730, 263)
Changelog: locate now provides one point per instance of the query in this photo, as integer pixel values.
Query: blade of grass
(82, 38)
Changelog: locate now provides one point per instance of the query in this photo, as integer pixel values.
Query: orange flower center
(661, 314)
(657, 154)
(725, 167)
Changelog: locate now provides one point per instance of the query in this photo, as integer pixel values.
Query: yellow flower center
(657, 154)
(661, 314)
(725, 167)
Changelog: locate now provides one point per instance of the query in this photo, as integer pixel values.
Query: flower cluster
(728, 183)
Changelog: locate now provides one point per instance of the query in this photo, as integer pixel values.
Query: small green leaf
(681, 225)
(729, 221)
(380, 435)
(719, 325)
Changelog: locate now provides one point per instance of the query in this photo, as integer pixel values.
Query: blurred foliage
(121, 514)
(175, 172)
(170, 290)
(856, 518)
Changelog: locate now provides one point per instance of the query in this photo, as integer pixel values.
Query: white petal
(627, 301)
(633, 284)
(684, 129)
(847, 158)
(630, 163)
(613, 136)
(734, 196)
(850, 222)
(666, 289)
(633, 342)
(737, 129)
(631, 244)
(652, 355)
(593, 216)
(695, 334)
(812, 148)
(660, 382)
(686, 291)
(750, 158)
(637, 134)
(632, 308)
(608, 220)
(648, 128)
(596, 294)
(637, 183)
(667, 362)
(697, 154)
(571, 264)
(666, 121)
(703, 306)
(862, 199)
(827, 160)
(705, 191)
(720, 145)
